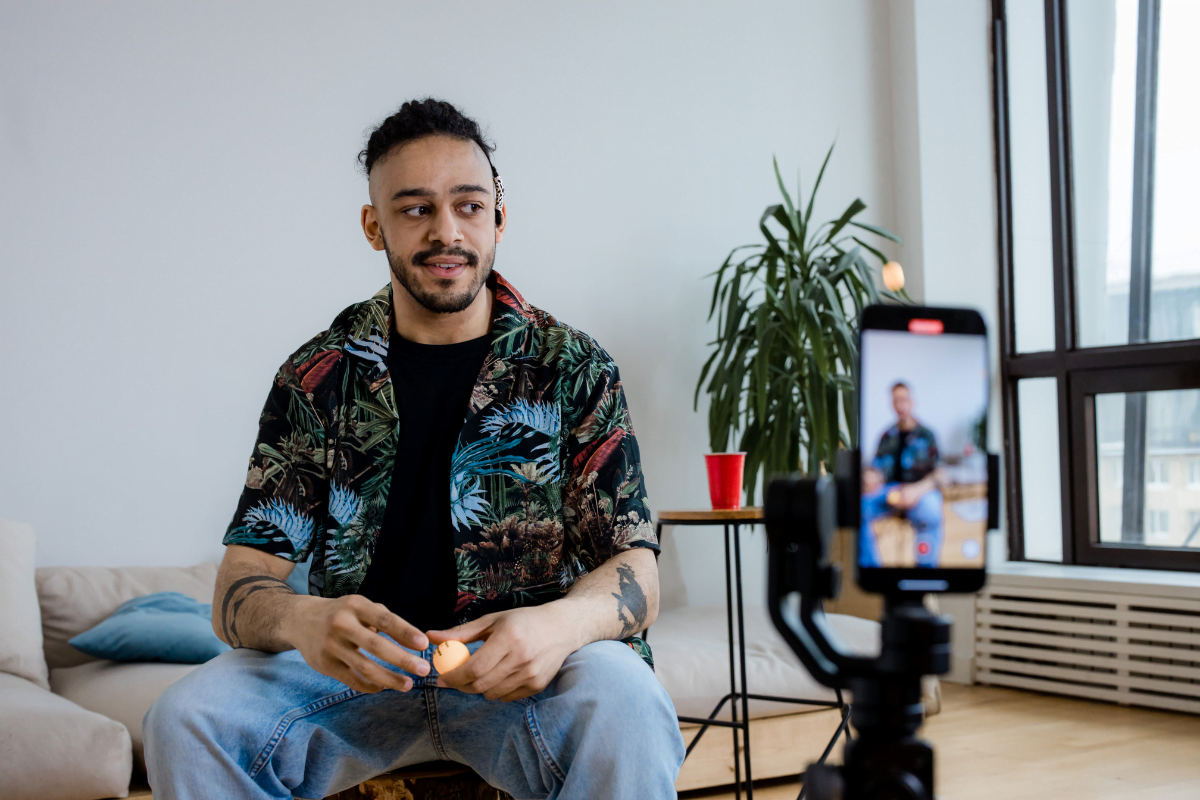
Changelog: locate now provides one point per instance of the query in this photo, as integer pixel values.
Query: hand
(872, 480)
(911, 494)
(523, 650)
(330, 633)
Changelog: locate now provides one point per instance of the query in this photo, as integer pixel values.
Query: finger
(376, 674)
(484, 660)
(467, 632)
(509, 671)
(353, 680)
(377, 615)
(393, 654)
(520, 694)
(513, 687)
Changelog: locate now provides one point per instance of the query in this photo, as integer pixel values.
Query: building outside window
(1158, 473)
(1098, 157)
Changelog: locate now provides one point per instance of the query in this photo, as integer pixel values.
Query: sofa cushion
(672, 590)
(51, 749)
(20, 623)
(691, 659)
(120, 691)
(165, 626)
(74, 599)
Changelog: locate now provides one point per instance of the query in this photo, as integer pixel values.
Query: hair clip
(499, 192)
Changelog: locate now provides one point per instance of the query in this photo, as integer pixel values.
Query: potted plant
(782, 376)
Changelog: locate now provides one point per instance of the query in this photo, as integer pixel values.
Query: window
(1158, 521)
(1098, 159)
(1158, 473)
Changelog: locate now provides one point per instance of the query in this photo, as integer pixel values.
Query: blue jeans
(250, 724)
(926, 519)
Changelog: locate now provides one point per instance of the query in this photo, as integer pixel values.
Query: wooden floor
(993, 744)
(1000, 744)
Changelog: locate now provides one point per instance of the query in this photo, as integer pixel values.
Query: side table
(732, 520)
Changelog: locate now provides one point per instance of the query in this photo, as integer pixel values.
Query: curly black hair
(417, 119)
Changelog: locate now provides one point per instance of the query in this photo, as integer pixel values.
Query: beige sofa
(70, 725)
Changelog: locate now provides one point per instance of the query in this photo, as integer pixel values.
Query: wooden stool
(435, 780)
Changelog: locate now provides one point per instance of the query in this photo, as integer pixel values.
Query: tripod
(885, 760)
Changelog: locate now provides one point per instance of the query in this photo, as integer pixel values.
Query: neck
(906, 423)
(418, 324)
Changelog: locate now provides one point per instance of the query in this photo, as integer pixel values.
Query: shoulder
(545, 338)
(313, 366)
(562, 341)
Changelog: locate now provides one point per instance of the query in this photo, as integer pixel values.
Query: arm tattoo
(631, 598)
(241, 589)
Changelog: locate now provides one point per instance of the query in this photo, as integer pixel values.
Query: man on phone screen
(903, 481)
(457, 465)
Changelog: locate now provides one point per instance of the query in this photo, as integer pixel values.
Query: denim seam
(536, 733)
(288, 719)
(435, 731)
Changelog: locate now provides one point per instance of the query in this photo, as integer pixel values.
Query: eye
(416, 211)
(472, 208)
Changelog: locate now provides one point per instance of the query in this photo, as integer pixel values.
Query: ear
(503, 214)
(370, 226)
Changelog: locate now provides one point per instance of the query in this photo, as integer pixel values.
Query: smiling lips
(444, 267)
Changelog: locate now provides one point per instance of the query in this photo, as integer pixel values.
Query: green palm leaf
(781, 378)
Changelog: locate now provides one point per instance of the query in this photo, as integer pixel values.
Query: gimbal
(885, 761)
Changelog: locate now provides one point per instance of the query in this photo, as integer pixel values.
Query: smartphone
(923, 462)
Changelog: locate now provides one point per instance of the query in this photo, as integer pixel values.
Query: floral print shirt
(906, 456)
(545, 480)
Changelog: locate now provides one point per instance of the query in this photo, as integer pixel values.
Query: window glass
(1103, 52)
(1170, 504)
(1029, 153)
(1102, 48)
(1041, 502)
(1175, 299)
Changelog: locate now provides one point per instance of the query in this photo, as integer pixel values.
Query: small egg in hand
(449, 655)
(894, 497)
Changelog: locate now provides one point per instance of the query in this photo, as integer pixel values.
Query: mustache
(471, 258)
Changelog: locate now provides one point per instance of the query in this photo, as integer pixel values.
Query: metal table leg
(733, 693)
(737, 571)
(734, 604)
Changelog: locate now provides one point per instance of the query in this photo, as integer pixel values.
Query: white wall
(179, 210)
(957, 192)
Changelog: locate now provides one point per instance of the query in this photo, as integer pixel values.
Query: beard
(442, 300)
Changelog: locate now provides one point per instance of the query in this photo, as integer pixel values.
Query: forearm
(616, 600)
(251, 606)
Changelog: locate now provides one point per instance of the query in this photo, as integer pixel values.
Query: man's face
(902, 402)
(433, 212)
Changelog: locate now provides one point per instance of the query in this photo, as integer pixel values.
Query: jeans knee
(177, 712)
(619, 686)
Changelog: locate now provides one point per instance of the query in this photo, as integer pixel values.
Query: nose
(444, 228)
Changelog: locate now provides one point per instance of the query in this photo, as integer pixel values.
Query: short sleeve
(286, 490)
(606, 509)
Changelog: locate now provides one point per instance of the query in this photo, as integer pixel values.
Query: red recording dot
(923, 548)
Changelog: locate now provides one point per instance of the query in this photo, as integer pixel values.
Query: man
(903, 480)
(448, 455)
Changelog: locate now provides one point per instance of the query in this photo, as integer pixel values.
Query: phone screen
(923, 402)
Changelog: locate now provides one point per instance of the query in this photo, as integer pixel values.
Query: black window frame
(1081, 373)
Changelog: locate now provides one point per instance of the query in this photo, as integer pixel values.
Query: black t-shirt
(412, 571)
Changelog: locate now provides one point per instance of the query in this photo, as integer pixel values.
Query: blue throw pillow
(167, 626)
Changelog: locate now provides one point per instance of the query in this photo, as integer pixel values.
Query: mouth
(442, 267)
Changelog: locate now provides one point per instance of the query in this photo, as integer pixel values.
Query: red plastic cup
(725, 479)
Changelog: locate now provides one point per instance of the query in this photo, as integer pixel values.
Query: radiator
(1126, 648)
